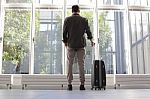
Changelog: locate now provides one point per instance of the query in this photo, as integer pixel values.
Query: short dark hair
(75, 8)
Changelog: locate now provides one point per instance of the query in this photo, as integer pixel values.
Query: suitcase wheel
(104, 88)
(97, 88)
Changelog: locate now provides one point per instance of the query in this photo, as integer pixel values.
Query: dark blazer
(74, 29)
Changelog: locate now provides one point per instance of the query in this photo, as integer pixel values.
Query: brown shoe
(82, 87)
(69, 87)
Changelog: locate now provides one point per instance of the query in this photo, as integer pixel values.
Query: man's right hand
(92, 43)
(66, 44)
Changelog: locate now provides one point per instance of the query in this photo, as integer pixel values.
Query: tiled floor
(76, 94)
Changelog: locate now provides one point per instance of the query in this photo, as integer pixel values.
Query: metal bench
(50, 80)
(6, 80)
(131, 80)
(59, 80)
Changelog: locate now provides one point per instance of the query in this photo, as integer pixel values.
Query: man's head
(75, 9)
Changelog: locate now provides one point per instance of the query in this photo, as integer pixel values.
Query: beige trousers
(71, 52)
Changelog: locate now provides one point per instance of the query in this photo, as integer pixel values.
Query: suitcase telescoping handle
(93, 54)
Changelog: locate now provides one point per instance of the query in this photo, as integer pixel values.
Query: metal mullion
(18, 5)
(142, 43)
(130, 31)
(139, 8)
(141, 40)
(111, 7)
(82, 7)
(136, 46)
(48, 6)
(149, 35)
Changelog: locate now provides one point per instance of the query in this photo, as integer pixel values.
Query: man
(74, 29)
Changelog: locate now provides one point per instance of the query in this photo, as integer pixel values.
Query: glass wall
(110, 2)
(138, 2)
(53, 2)
(48, 43)
(16, 40)
(140, 41)
(106, 32)
(31, 35)
(80, 2)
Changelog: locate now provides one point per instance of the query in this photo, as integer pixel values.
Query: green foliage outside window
(16, 35)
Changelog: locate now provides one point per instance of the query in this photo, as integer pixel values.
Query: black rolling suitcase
(98, 77)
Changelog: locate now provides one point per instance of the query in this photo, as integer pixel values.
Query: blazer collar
(75, 14)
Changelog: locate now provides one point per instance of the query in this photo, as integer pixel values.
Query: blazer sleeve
(65, 31)
(87, 30)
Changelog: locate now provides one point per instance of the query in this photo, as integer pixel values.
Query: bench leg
(115, 86)
(24, 86)
(119, 85)
(9, 86)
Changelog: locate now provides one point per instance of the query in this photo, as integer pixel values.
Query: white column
(31, 45)
(1, 32)
(127, 38)
(64, 56)
(96, 32)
